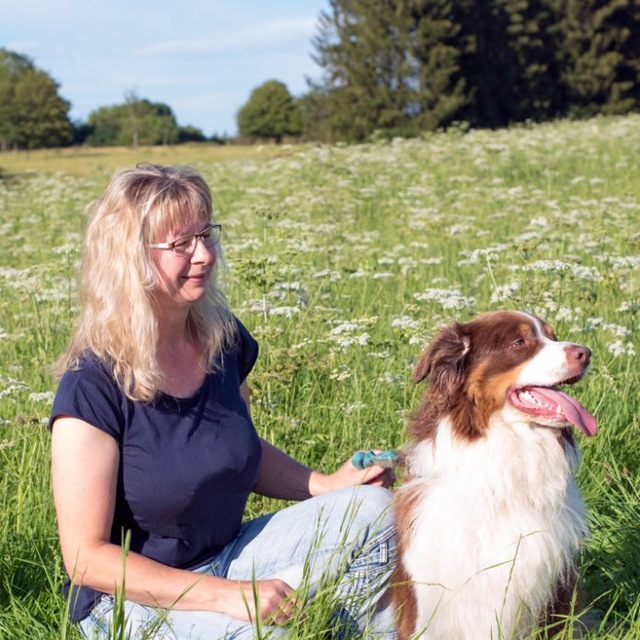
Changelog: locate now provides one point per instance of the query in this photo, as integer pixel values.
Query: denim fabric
(340, 546)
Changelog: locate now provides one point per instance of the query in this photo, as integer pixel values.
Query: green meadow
(344, 261)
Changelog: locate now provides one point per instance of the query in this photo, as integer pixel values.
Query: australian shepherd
(490, 519)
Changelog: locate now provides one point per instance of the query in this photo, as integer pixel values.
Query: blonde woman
(153, 446)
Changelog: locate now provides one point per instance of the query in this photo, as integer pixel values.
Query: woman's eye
(181, 243)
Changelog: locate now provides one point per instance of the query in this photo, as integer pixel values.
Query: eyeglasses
(186, 245)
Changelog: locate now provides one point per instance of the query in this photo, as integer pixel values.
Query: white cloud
(270, 33)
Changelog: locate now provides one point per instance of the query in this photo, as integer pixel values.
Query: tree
(437, 45)
(270, 112)
(32, 114)
(508, 60)
(190, 134)
(600, 49)
(389, 65)
(366, 79)
(405, 66)
(135, 122)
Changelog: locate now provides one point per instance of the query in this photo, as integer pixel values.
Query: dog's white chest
(494, 523)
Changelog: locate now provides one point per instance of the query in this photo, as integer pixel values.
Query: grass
(96, 161)
(344, 261)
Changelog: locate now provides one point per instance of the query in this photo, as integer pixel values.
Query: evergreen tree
(269, 113)
(32, 114)
(404, 66)
(368, 82)
(392, 65)
(508, 60)
(435, 47)
(600, 51)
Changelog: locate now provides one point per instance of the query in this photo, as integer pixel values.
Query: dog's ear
(443, 361)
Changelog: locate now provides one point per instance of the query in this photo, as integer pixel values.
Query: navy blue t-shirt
(187, 465)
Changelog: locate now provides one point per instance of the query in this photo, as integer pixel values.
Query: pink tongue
(571, 409)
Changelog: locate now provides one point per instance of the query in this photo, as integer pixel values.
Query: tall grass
(344, 262)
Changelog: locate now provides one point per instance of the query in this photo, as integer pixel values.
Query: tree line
(389, 67)
(33, 114)
(404, 66)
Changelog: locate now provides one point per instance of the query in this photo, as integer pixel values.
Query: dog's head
(506, 362)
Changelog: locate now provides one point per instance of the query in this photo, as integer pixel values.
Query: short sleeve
(248, 351)
(91, 395)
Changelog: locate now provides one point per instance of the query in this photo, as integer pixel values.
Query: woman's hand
(350, 476)
(276, 601)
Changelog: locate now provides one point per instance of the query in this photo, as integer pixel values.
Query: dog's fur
(489, 517)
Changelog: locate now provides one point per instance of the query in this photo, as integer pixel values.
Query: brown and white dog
(489, 516)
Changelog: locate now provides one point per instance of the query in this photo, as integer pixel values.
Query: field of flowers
(344, 262)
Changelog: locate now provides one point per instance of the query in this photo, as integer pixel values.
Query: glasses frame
(194, 239)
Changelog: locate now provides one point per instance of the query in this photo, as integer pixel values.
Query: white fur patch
(497, 520)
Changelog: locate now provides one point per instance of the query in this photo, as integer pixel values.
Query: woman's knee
(359, 514)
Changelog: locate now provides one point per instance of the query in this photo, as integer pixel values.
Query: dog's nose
(581, 355)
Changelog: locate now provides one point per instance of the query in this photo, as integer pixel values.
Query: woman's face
(183, 277)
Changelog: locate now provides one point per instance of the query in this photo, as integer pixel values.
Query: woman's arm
(283, 477)
(84, 473)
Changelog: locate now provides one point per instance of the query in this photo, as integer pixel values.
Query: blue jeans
(341, 543)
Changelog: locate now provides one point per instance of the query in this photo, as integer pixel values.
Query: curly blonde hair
(118, 320)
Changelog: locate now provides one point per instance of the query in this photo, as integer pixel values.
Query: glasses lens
(184, 246)
(210, 236)
(187, 245)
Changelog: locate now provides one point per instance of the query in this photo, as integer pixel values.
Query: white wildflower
(390, 378)
(347, 341)
(458, 229)
(258, 306)
(504, 292)
(12, 387)
(340, 375)
(45, 396)
(620, 348)
(289, 286)
(558, 266)
(332, 276)
(629, 306)
(288, 312)
(405, 323)
(483, 255)
(447, 298)
(355, 407)
(625, 262)
(346, 327)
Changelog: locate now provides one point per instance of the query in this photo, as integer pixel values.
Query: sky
(201, 57)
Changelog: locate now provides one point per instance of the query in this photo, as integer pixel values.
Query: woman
(154, 450)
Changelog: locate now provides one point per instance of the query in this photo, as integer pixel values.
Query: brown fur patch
(402, 592)
(470, 368)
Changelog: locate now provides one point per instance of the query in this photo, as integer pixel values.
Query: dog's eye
(520, 342)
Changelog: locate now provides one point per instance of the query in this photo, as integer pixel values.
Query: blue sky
(201, 57)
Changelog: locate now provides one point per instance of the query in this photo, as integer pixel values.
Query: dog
(490, 520)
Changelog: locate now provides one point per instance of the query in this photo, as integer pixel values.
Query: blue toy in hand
(364, 459)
